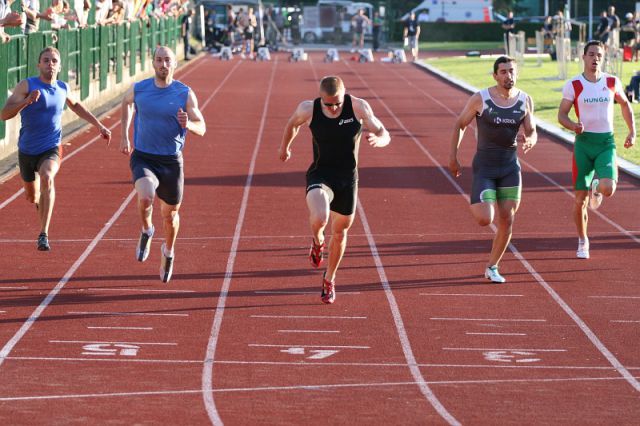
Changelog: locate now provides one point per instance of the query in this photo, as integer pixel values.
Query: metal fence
(88, 54)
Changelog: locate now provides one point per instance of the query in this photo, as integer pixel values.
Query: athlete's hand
(454, 167)
(106, 134)
(33, 97)
(377, 141)
(578, 128)
(125, 146)
(630, 140)
(284, 153)
(183, 118)
(526, 143)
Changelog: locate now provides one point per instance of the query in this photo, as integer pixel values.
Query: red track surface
(240, 336)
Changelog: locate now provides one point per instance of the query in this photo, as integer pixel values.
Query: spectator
(8, 19)
(187, 21)
(411, 33)
(634, 88)
(562, 26)
(359, 23)
(249, 26)
(102, 10)
(547, 28)
(231, 25)
(31, 9)
(614, 20)
(509, 24)
(376, 30)
(602, 32)
(115, 15)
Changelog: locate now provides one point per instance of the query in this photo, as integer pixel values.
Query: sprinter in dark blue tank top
(165, 109)
(336, 121)
(500, 111)
(40, 102)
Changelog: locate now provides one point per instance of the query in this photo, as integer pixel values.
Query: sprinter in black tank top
(336, 121)
(499, 111)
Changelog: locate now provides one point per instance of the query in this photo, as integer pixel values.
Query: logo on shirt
(499, 120)
(343, 121)
(598, 100)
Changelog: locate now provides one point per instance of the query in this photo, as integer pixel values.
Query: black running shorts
(345, 193)
(165, 170)
(30, 164)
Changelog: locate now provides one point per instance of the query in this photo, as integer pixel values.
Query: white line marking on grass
(114, 342)
(495, 334)
(306, 316)
(126, 314)
(554, 295)
(207, 372)
(487, 319)
(119, 328)
(471, 295)
(6, 350)
(308, 331)
(302, 387)
(261, 345)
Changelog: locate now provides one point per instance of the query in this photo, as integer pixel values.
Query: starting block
(366, 55)
(263, 54)
(298, 54)
(225, 53)
(399, 56)
(332, 56)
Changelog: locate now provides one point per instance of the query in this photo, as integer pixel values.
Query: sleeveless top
(498, 126)
(593, 101)
(335, 142)
(156, 127)
(41, 128)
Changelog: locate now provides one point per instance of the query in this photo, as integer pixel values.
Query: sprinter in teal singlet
(40, 102)
(164, 110)
(336, 120)
(499, 112)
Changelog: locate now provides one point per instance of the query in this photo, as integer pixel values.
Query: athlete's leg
(504, 225)
(484, 212)
(47, 173)
(606, 187)
(340, 225)
(318, 201)
(146, 189)
(580, 216)
(171, 224)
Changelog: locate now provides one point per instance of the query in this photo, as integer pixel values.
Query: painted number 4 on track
(314, 353)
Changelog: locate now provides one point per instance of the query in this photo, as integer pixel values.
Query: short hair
(173, 55)
(48, 49)
(331, 85)
(593, 43)
(502, 60)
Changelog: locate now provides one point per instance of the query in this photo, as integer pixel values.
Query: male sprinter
(40, 102)
(336, 120)
(592, 95)
(497, 182)
(164, 110)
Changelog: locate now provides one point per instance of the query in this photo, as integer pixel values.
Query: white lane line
(615, 297)
(504, 349)
(308, 331)
(471, 295)
(3, 312)
(13, 288)
(140, 290)
(6, 350)
(626, 321)
(304, 387)
(316, 363)
(261, 345)
(119, 328)
(126, 314)
(488, 319)
(342, 293)
(207, 371)
(393, 304)
(495, 334)
(114, 342)
(306, 316)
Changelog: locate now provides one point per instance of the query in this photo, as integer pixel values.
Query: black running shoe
(166, 266)
(144, 247)
(43, 242)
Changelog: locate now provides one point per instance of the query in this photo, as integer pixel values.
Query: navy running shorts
(166, 171)
(496, 176)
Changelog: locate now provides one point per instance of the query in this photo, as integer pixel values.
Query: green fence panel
(13, 68)
(120, 30)
(35, 44)
(104, 56)
(134, 43)
(153, 33)
(63, 48)
(4, 83)
(86, 38)
(144, 46)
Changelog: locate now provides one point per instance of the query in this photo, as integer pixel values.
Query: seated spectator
(633, 89)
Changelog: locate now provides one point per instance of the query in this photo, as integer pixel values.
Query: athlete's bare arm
(471, 109)
(563, 117)
(192, 119)
(82, 112)
(302, 115)
(627, 114)
(127, 115)
(530, 137)
(378, 135)
(19, 100)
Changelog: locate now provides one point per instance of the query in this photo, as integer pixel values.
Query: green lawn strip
(542, 84)
(460, 45)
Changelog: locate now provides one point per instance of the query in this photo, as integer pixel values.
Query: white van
(326, 19)
(453, 11)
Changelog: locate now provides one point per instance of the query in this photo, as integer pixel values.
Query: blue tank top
(156, 127)
(41, 128)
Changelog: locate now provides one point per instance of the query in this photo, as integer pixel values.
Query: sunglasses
(337, 104)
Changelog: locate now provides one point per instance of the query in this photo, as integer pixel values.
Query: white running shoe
(595, 198)
(166, 266)
(492, 274)
(583, 250)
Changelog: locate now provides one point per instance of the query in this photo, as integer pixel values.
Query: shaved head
(331, 85)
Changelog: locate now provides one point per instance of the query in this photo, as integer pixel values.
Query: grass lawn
(542, 84)
(460, 45)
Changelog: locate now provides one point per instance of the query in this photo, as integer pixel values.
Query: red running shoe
(316, 253)
(328, 295)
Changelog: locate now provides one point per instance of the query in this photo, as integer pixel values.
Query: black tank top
(498, 126)
(335, 142)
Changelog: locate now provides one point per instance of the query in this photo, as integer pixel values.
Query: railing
(88, 54)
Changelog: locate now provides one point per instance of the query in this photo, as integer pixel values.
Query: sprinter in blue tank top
(336, 120)
(164, 110)
(40, 102)
(499, 111)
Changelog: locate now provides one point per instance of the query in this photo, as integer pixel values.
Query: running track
(239, 336)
